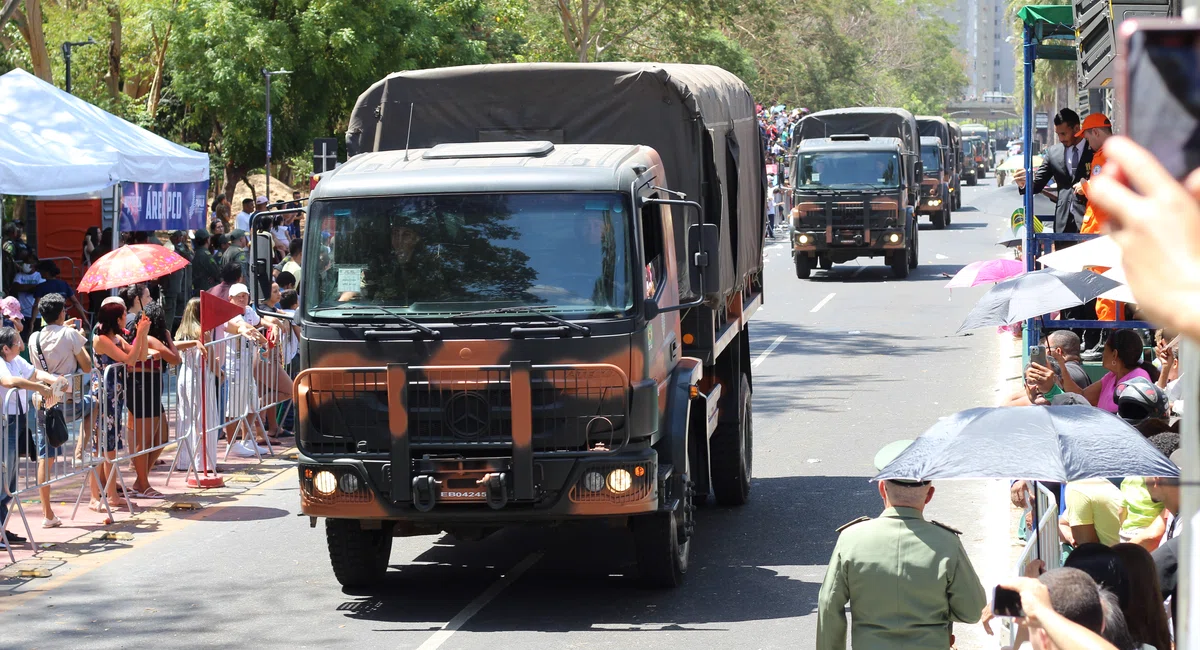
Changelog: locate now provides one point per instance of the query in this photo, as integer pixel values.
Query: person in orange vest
(1096, 129)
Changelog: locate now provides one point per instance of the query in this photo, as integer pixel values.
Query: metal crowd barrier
(1042, 542)
(139, 412)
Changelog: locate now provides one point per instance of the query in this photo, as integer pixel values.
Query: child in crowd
(24, 284)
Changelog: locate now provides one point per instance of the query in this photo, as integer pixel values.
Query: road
(846, 362)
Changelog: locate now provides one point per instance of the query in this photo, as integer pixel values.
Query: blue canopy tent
(1049, 35)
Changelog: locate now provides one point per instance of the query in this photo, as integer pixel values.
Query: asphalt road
(856, 359)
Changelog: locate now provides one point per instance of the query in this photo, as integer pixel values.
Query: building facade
(983, 30)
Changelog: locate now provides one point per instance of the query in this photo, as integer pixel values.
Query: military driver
(906, 579)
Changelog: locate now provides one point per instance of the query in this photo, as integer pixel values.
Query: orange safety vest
(1093, 217)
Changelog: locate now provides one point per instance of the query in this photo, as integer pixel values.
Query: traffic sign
(1041, 121)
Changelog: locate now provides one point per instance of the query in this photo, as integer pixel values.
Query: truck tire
(803, 266)
(914, 253)
(732, 453)
(825, 262)
(662, 559)
(948, 213)
(938, 219)
(359, 557)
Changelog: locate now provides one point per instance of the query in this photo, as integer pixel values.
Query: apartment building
(982, 29)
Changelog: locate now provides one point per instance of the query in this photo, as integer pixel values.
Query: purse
(26, 445)
(53, 418)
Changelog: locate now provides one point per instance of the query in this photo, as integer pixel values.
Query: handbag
(26, 445)
(53, 418)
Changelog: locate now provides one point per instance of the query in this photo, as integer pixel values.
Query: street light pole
(267, 75)
(66, 50)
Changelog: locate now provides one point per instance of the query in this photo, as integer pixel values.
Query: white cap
(113, 300)
(238, 289)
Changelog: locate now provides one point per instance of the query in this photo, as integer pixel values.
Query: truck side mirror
(920, 169)
(704, 267)
(260, 265)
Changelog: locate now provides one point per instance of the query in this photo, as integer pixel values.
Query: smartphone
(1037, 354)
(1160, 68)
(1006, 602)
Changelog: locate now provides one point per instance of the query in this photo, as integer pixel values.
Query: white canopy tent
(63, 138)
(53, 144)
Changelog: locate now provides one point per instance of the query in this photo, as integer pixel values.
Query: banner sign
(163, 206)
(1041, 120)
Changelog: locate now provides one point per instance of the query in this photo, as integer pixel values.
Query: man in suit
(1067, 163)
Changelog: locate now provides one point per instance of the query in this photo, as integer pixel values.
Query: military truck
(523, 308)
(956, 149)
(935, 191)
(977, 158)
(857, 179)
(970, 171)
(939, 128)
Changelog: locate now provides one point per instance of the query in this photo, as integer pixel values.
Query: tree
(29, 23)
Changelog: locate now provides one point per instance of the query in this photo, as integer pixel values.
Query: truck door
(660, 283)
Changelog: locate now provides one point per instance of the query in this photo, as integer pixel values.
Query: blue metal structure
(1041, 23)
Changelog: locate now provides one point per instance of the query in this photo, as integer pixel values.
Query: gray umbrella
(1035, 294)
(1043, 443)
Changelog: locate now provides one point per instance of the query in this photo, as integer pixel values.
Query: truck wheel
(914, 254)
(732, 450)
(938, 219)
(359, 557)
(803, 266)
(825, 262)
(662, 558)
(948, 213)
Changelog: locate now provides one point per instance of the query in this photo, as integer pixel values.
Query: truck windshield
(931, 159)
(565, 253)
(846, 169)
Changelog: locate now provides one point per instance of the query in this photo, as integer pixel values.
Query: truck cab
(492, 335)
(852, 199)
(935, 190)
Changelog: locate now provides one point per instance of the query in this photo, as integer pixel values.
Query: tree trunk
(113, 77)
(30, 24)
(160, 62)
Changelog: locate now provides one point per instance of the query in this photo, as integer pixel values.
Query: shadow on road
(762, 561)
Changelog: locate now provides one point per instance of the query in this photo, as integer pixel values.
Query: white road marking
(824, 301)
(769, 350)
(441, 636)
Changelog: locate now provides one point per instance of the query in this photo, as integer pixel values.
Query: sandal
(150, 493)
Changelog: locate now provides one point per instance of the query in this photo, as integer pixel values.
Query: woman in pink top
(1123, 361)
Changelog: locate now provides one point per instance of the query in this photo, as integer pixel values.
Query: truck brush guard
(465, 434)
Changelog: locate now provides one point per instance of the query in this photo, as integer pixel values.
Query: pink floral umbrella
(985, 272)
(130, 265)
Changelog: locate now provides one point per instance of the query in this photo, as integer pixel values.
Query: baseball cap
(1139, 399)
(1069, 399)
(237, 234)
(201, 234)
(261, 200)
(238, 289)
(1094, 121)
(113, 300)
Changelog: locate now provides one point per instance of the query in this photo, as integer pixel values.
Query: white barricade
(1042, 542)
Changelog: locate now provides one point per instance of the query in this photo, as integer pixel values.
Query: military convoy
(535, 312)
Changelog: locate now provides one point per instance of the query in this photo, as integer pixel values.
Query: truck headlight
(802, 239)
(935, 202)
(894, 238)
(620, 480)
(325, 482)
(593, 481)
(348, 483)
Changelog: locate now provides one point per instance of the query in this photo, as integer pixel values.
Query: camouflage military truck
(935, 191)
(951, 169)
(526, 296)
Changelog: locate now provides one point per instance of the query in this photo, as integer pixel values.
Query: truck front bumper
(848, 239)
(930, 205)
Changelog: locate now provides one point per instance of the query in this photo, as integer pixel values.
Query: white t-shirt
(58, 345)
(291, 346)
(281, 235)
(241, 221)
(18, 367)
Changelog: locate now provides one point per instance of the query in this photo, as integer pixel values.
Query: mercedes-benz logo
(468, 415)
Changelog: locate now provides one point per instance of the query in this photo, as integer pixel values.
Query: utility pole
(267, 75)
(66, 50)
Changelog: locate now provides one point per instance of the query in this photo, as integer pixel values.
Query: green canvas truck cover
(700, 119)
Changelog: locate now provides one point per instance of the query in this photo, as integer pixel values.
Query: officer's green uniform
(906, 579)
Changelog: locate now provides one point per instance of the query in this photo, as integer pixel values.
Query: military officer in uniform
(906, 579)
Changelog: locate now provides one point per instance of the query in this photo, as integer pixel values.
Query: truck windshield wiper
(583, 329)
(870, 185)
(390, 312)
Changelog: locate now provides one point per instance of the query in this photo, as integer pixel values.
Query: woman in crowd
(1123, 361)
(144, 390)
(113, 353)
(216, 227)
(91, 243)
(197, 368)
(1145, 615)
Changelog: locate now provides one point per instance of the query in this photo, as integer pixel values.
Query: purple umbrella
(985, 272)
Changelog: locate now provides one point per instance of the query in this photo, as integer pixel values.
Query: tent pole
(1, 223)
(1030, 336)
(116, 222)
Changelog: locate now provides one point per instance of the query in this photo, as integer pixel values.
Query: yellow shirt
(1098, 502)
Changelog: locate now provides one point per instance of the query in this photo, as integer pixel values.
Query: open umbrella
(130, 265)
(1042, 443)
(985, 271)
(1034, 294)
(1101, 251)
(1013, 163)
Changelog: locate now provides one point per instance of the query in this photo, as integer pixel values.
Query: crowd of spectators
(775, 130)
(101, 359)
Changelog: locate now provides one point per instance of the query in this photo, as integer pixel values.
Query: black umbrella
(1042, 443)
(1034, 294)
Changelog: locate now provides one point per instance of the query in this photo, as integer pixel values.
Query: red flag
(215, 312)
